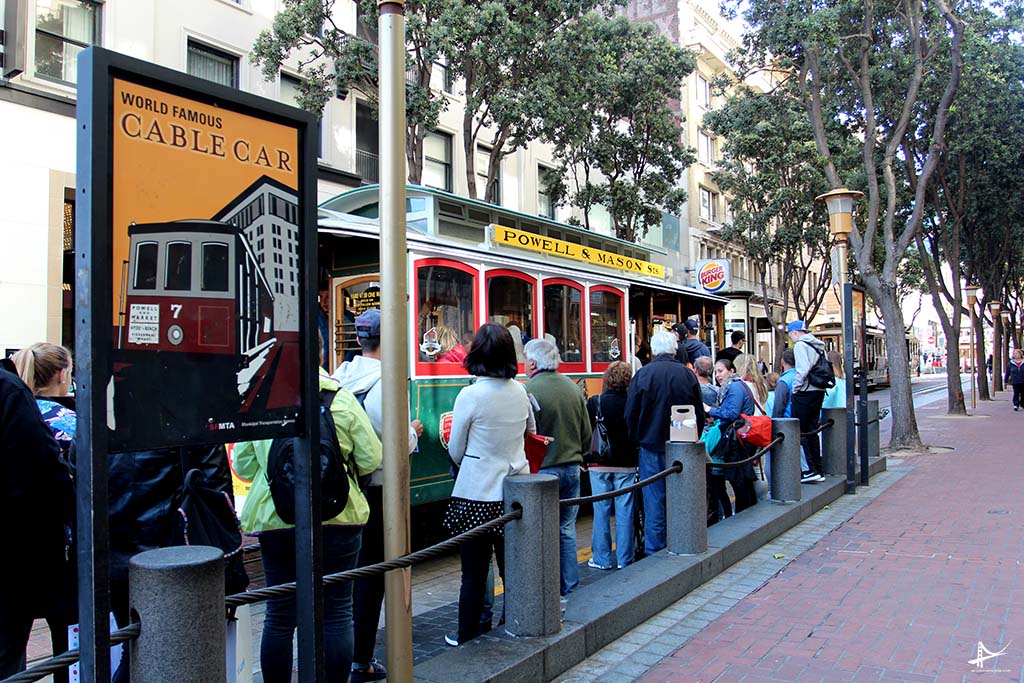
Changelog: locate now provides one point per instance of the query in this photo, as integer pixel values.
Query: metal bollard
(686, 499)
(531, 556)
(874, 425)
(833, 442)
(785, 484)
(178, 594)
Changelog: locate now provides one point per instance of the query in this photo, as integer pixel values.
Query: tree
(331, 60)
(608, 113)
(860, 65)
(772, 174)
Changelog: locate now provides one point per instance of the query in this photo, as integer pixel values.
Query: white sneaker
(595, 565)
(819, 477)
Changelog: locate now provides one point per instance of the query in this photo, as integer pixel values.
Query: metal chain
(625, 489)
(66, 659)
(285, 589)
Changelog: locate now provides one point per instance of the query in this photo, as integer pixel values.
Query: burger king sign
(713, 274)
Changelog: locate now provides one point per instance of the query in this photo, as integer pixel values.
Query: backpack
(334, 480)
(821, 375)
(600, 444)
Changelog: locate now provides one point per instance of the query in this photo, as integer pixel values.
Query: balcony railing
(367, 165)
(756, 287)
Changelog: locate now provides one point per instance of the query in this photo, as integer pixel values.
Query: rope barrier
(286, 589)
(66, 659)
(822, 427)
(625, 489)
(779, 438)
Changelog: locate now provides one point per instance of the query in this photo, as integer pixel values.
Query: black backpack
(821, 374)
(334, 481)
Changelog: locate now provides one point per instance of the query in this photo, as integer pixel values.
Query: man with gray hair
(561, 413)
(705, 370)
(656, 387)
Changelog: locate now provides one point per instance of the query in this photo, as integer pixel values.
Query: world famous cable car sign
(198, 198)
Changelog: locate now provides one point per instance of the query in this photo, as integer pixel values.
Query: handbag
(758, 429)
(536, 446)
(600, 445)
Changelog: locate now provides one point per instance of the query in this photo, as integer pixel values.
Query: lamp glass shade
(994, 306)
(839, 204)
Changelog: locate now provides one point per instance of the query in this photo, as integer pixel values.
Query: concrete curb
(601, 612)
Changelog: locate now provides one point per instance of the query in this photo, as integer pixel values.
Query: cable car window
(445, 320)
(145, 265)
(179, 266)
(215, 267)
(510, 304)
(563, 311)
(606, 337)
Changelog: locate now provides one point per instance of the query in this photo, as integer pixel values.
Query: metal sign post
(196, 220)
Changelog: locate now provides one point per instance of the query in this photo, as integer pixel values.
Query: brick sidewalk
(905, 590)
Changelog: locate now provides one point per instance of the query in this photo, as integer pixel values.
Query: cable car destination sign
(499, 234)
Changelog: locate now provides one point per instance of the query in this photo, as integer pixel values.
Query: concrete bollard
(874, 425)
(833, 442)
(686, 499)
(785, 457)
(178, 594)
(531, 556)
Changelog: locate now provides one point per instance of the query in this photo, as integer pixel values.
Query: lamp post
(972, 301)
(1004, 316)
(839, 203)
(997, 347)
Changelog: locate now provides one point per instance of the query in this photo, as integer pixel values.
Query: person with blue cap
(361, 376)
(695, 348)
(807, 398)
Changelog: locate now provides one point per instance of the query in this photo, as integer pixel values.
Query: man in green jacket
(561, 413)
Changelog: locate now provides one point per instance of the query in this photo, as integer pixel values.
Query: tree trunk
(980, 372)
(468, 150)
(955, 404)
(414, 155)
(905, 434)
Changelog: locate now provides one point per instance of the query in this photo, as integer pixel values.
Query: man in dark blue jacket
(656, 387)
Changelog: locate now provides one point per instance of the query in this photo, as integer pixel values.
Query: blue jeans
(654, 501)
(568, 487)
(601, 540)
(340, 552)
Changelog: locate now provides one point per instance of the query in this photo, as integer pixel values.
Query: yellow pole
(395, 332)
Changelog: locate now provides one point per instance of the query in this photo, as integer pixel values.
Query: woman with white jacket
(490, 419)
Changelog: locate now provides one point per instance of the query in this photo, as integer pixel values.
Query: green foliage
(772, 173)
(607, 109)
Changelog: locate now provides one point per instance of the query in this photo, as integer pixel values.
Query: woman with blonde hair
(46, 369)
(750, 373)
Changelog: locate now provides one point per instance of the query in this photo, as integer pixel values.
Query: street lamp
(997, 347)
(972, 300)
(1004, 316)
(840, 220)
(839, 203)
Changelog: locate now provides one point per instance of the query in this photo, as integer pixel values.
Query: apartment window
(212, 64)
(708, 205)
(483, 158)
(63, 29)
(367, 143)
(705, 147)
(703, 92)
(545, 207)
(437, 161)
(441, 77)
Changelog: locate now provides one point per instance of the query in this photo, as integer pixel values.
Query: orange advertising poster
(207, 277)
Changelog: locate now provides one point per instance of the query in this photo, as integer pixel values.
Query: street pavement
(919, 580)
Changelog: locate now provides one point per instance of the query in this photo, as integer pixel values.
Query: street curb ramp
(605, 610)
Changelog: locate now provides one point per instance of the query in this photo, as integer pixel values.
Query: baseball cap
(691, 324)
(796, 326)
(368, 324)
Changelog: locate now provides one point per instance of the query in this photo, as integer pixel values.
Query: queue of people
(491, 418)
